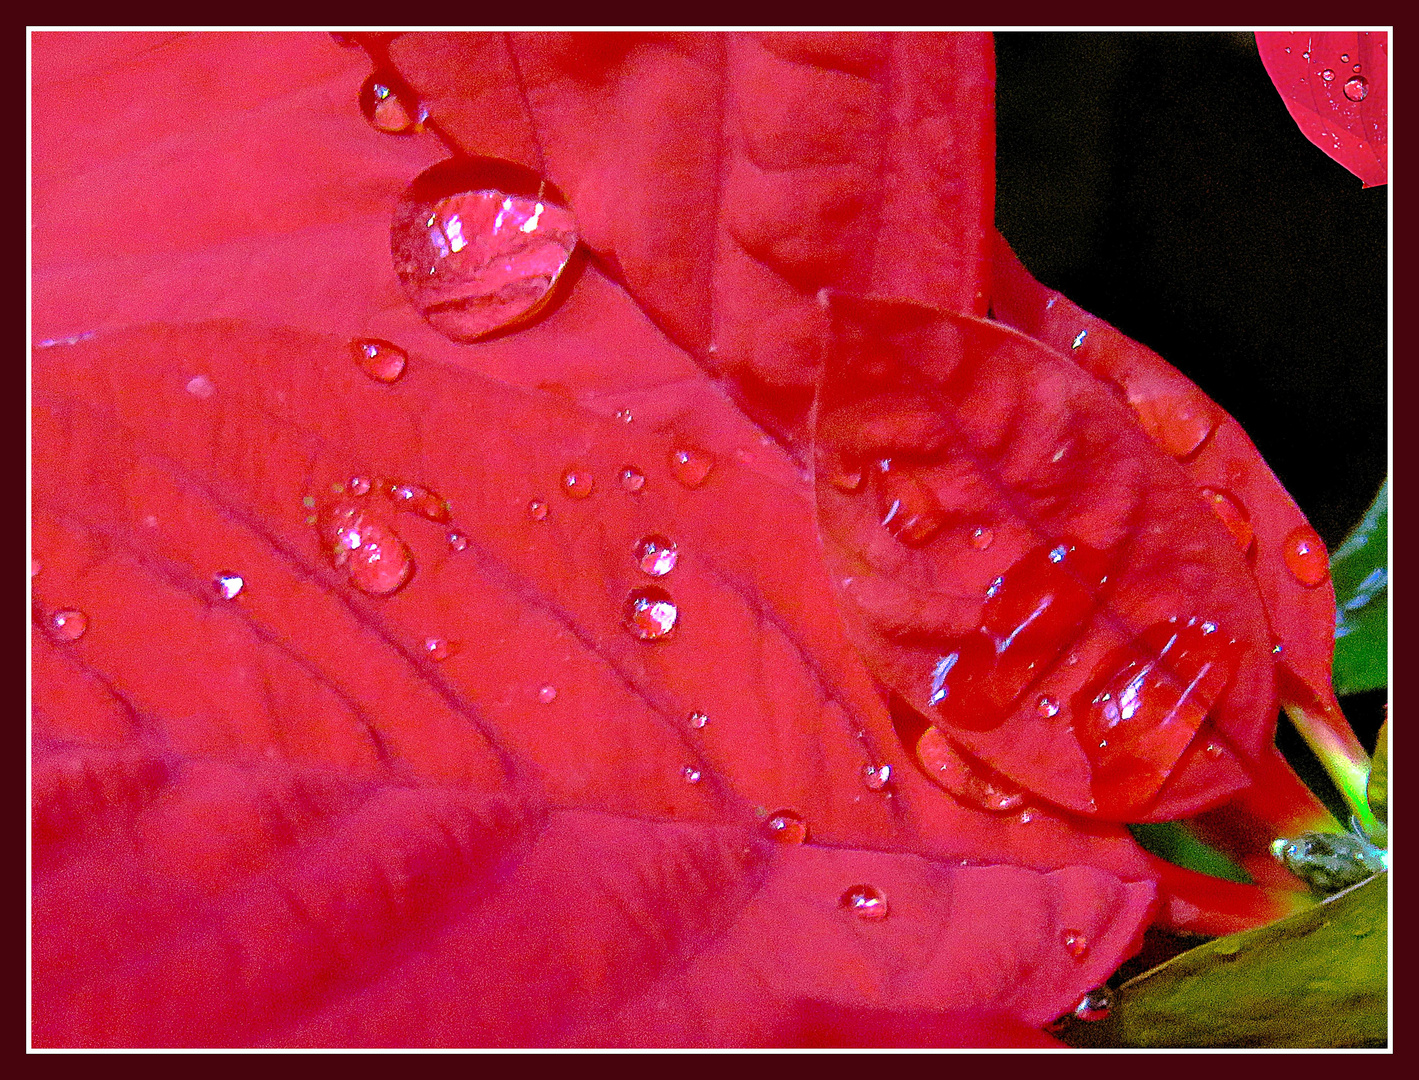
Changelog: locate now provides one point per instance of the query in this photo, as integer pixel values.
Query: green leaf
(1360, 570)
(1315, 979)
(1377, 792)
(1174, 841)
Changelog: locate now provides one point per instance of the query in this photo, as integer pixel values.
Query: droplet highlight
(698, 720)
(786, 827)
(578, 483)
(480, 245)
(382, 361)
(867, 902)
(374, 557)
(547, 694)
(1306, 556)
(1075, 943)
(690, 774)
(66, 626)
(974, 784)
(1079, 339)
(624, 415)
(1094, 1006)
(649, 613)
(1230, 511)
(981, 538)
(438, 649)
(691, 466)
(876, 777)
(1357, 87)
(227, 585)
(656, 555)
(389, 106)
(632, 479)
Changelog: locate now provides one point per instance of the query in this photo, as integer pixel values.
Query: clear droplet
(876, 777)
(389, 106)
(1095, 1005)
(438, 649)
(1226, 507)
(1025, 816)
(976, 786)
(480, 246)
(1328, 75)
(1345, 58)
(371, 553)
(910, 512)
(624, 415)
(1075, 943)
(1305, 556)
(786, 827)
(698, 720)
(1227, 947)
(359, 485)
(867, 902)
(690, 466)
(457, 541)
(547, 694)
(537, 510)
(655, 555)
(69, 625)
(1179, 424)
(691, 774)
(1079, 339)
(382, 361)
(577, 483)
(649, 613)
(982, 538)
(1355, 68)
(199, 386)
(429, 505)
(1047, 707)
(1357, 87)
(1214, 750)
(228, 585)
(632, 479)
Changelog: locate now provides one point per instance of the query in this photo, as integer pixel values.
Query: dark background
(1157, 180)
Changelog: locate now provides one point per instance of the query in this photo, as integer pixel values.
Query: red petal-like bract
(279, 817)
(1336, 87)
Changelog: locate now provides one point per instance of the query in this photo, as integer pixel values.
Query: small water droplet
(1214, 750)
(438, 649)
(577, 483)
(382, 361)
(1095, 1005)
(1328, 75)
(1228, 947)
(632, 479)
(698, 720)
(199, 386)
(69, 625)
(624, 415)
(876, 777)
(786, 827)
(656, 555)
(910, 512)
(1226, 507)
(691, 774)
(690, 466)
(867, 902)
(228, 585)
(1025, 816)
(1357, 87)
(457, 541)
(982, 538)
(1075, 943)
(547, 694)
(1345, 58)
(480, 246)
(537, 510)
(1079, 339)
(1355, 68)
(1305, 556)
(1047, 707)
(649, 613)
(390, 107)
(414, 499)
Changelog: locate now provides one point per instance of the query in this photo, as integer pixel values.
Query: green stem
(1342, 756)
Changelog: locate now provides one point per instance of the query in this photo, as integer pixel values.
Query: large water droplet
(690, 465)
(382, 361)
(480, 245)
(1226, 507)
(976, 785)
(547, 694)
(376, 560)
(632, 479)
(1305, 556)
(1075, 943)
(577, 483)
(70, 625)
(537, 510)
(876, 777)
(656, 555)
(390, 106)
(786, 827)
(649, 613)
(228, 585)
(867, 902)
(1095, 1005)
(1357, 87)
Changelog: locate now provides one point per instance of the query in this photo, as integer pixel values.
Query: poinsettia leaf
(1360, 570)
(1316, 979)
(1336, 87)
(476, 810)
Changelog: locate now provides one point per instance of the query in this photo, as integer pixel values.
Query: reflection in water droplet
(867, 902)
(1047, 707)
(691, 774)
(1305, 556)
(698, 720)
(537, 510)
(547, 694)
(1079, 339)
(975, 785)
(391, 111)
(1357, 87)
(199, 386)
(67, 626)
(1095, 1005)
(1075, 943)
(382, 361)
(981, 538)
(786, 827)
(655, 555)
(632, 479)
(577, 483)
(457, 541)
(649, 613)
(228, 585)
(438, 649)
(876, 777)
(690, 466)
(1232, 515)
(1327, 75)
(377, 561)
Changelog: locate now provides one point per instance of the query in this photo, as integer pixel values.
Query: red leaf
(278, 818)
(1336, 87)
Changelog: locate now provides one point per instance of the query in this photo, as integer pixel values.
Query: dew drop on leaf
(437, 649)
(537, 510)
(690, 774)
(199, 386)
(1357, 87)
(228, 585)
(786, 827)
(359, 485)
(480, 245)
(577, 483)
(876, 777)
(632, 479)
(867, 902)
(976, 786)
(457, 541)
(1328, 75)
(388, 107)
(690, 466)
(1226, 507)
(656, 555)
(371, 553)
(547, 694)
(1075, 943)
(1306, 556)
(66, 626)
(698, 720)
(649, 613)
(1047, 707)
(982, 538)
(382, 361)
